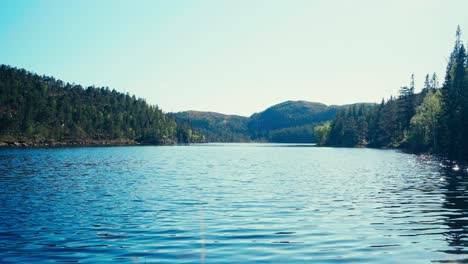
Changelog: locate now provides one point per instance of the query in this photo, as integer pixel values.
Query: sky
(234, 56)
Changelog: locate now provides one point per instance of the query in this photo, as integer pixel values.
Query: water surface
(232, 203)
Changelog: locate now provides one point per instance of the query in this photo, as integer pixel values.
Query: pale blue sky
(235, 57)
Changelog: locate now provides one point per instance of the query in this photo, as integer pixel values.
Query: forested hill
(287, 122)
(291, 121)
(216, 127)
(434, 120)
(40, 110)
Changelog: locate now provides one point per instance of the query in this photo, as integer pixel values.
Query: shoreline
(75, 143)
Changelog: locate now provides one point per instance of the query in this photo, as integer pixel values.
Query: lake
(230, 203)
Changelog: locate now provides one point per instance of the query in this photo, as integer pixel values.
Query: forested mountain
(291, 114)
(42, 110)
(216, 127)
(287, 122)
(434, 120)
(290, 121)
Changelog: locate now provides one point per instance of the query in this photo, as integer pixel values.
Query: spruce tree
(454, 107)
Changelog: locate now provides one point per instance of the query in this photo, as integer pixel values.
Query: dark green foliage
(322, 133)
(216, 127)
(406, 105)
(299, 134)
(37, 108)
(435, 120)
(350, 127)
(291, 114)
(291, 121)
(381, 126)
(454, 121)
(287, 122)
(185, 134)
(424, 125)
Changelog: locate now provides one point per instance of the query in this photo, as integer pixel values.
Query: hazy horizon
(234, 57)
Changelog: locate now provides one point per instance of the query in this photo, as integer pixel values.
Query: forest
(432, 121)
(40, 110)
(215, 127)
(286, 122)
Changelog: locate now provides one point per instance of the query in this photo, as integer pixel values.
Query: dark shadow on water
(455, 191)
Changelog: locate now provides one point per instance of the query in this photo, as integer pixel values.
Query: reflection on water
(456, 205)
(231, 203)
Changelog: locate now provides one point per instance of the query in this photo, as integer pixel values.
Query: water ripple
(230, 203)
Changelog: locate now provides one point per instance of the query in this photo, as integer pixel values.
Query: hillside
(287, 122)
(40, 110)
(290, 114)
(216, 127)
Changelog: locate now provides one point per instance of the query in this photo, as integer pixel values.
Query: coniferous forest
(40, 110)
(432, 121)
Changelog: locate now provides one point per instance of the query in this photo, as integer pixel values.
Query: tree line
(434, 120)
(37, 108)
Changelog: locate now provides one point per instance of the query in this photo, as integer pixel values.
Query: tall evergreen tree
(406, 104)
(436, 120)
(427, 85)
(454, 108)
(434, 82)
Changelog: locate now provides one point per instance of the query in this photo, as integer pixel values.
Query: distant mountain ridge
(286, 122)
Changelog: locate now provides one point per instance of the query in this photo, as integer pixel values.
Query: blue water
(232, 203)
